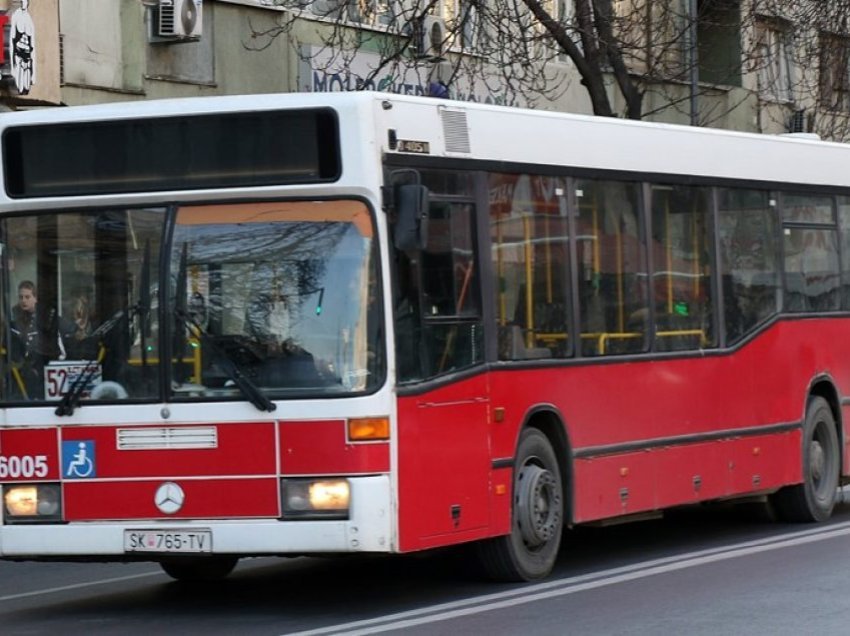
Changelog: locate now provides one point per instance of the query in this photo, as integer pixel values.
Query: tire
(537, 516)
(814, 499)
(199, 568)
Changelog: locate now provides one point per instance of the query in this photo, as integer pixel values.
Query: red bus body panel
(643, 434)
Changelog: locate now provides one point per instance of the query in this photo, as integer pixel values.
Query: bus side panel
(676, 475)
(695, 422)
(622, 484)
(444, 477)
(764, 462)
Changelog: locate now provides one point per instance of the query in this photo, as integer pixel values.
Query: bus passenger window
(844, 227)
(612, 287)
(811, 254)
(682, 246)
(748, 261)
(528, 230)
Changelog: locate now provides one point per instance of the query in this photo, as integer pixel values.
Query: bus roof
(519, 136)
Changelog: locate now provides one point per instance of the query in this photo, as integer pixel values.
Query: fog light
(32, 502)
(316, 498)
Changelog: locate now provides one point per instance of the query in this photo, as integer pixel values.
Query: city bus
(318, 324)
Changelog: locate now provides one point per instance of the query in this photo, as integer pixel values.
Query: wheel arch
(823, 386)
(548, 420)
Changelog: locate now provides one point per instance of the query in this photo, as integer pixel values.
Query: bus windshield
(281, 296)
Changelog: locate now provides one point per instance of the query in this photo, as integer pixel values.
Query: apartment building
(755, 65)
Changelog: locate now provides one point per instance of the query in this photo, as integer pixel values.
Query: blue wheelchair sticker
(78, 460)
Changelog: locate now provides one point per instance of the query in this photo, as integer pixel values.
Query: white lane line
(572, 585)
(77, 586)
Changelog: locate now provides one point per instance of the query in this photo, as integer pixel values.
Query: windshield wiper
(246, 386)
(71, 399)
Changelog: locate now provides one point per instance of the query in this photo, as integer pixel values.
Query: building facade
(768, 66)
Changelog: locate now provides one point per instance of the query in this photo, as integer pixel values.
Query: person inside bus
(268, 319)
(24, 326)
(76, 330)
(31, 344)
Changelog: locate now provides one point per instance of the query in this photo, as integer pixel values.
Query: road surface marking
(564, 587)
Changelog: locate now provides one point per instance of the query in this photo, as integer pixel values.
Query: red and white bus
(315, 324)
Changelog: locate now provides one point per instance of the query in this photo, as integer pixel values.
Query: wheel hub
(538, 505)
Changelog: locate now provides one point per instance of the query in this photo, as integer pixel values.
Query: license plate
(168, 541)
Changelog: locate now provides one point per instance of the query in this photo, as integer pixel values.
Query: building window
(719, 41)
(834, 75)
(663, 25)
(466, 25)
(374, 12)
(773, 59)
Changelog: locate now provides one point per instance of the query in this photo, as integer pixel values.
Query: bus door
(444, 458)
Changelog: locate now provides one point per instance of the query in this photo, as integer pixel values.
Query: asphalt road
(707, 570)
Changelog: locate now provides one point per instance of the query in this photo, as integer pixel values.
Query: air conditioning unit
(179, 20)
(797, 122)
(429, 37)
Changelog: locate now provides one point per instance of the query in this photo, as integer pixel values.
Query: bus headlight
(315, 498)
(32, 502)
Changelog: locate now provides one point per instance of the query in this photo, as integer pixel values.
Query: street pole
(693, 55)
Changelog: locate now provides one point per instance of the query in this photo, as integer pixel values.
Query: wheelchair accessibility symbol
(78, 459)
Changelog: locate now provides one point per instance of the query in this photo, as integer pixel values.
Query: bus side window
(747, 224)
(812, 278)
(612, 290)
(528, 231)
(682, 247)
(844, 227)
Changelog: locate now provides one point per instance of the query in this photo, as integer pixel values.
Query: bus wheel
(199, 568)
(537, 516)
(814, 499)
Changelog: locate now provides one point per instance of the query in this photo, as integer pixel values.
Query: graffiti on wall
(22, 48)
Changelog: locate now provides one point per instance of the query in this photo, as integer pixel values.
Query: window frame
(774, 67)
(834, 64)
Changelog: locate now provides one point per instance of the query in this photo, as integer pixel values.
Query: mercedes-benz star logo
(169, 497)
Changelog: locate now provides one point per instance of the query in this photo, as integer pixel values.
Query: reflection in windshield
(286, 292)
(282, 294)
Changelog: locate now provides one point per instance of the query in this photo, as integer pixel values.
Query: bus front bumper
(368, 529)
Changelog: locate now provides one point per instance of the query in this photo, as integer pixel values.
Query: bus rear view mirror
(411, 227)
